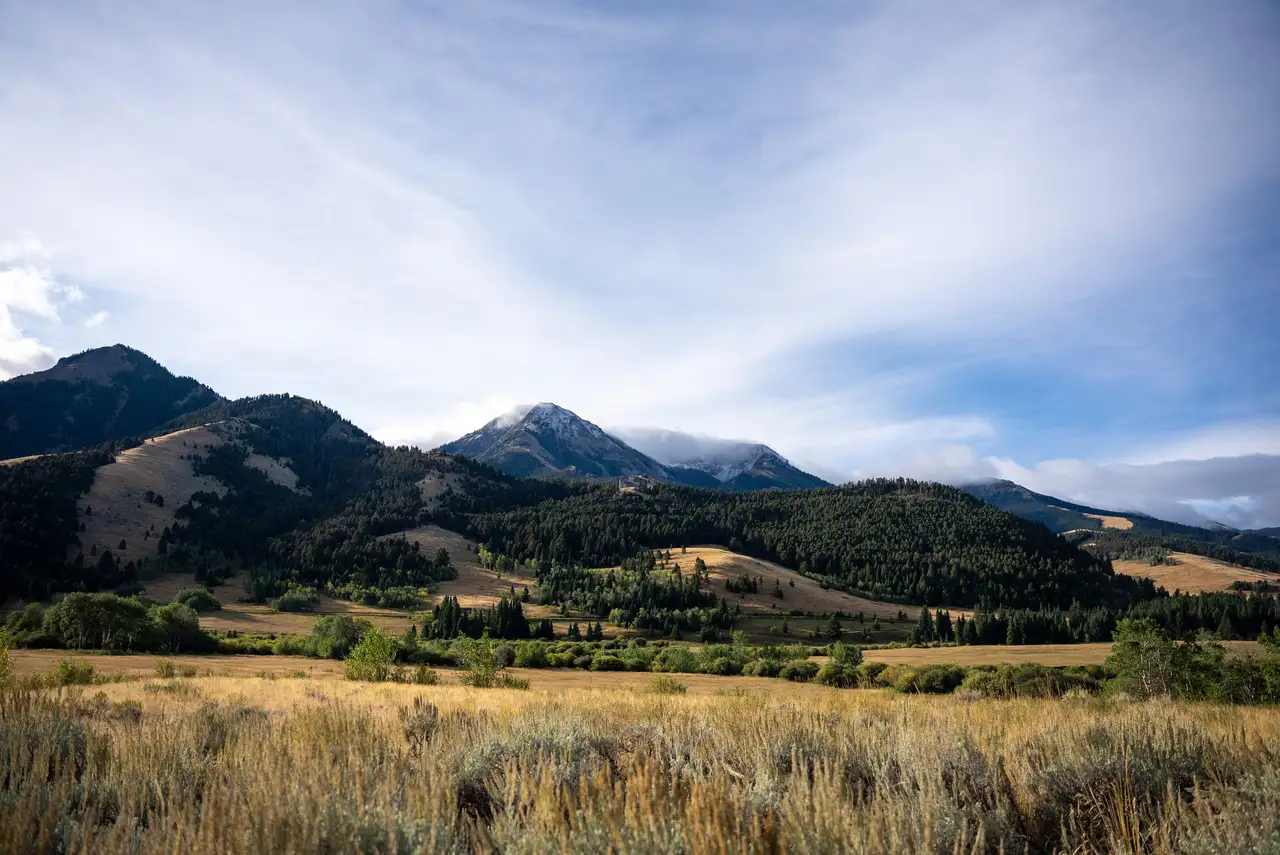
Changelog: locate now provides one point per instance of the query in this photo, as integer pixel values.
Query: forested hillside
(886, 539)
(38, 523)
(91, 398)
(350, 489)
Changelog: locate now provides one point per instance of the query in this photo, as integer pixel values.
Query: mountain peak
(92, 397)
(552, 440)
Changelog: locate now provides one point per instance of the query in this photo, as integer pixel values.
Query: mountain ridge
(96, 396)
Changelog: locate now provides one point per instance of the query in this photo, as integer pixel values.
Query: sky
(1038, 241)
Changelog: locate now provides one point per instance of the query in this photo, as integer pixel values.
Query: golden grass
(806, 594)
(120, 512)
(475, 586)
(554, 680)
(12, 461)
(1193, 573)
(277, 471)
(223, 765)
(257, 617)
(1121, 523)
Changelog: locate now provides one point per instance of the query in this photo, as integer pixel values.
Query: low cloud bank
(1242, 491)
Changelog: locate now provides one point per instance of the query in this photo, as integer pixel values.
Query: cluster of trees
(896, 540)
(109, 622)
(506, 619)
(1226, 616)
(1147, 663)
(636, 585)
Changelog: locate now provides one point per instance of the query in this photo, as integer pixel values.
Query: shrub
(663, 684)
(605, 662)
(837, 675)
(25, 621)
(298, 600)
(176, 628)
(869, 673)
(425, 676)
(762, 668)
(98, 621)
(476, 655)
(679, 659)
(799, 671)
(198, 599)
(372, 658)
(72, 672)
(531, 654)
(334, 636)
(292, 645)
(846, 654)
(929, 679)
(584, 661)
(723, 666)
(418, 723)
(511, 681)
(165, 669)
(6, 665)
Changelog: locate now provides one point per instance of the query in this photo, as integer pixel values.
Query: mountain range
(548, 440)
(168, 475)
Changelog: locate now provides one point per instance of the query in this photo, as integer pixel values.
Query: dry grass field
(1122, 523)
(269, 668)
(1193, 573)
(251, 617)
(245, 765)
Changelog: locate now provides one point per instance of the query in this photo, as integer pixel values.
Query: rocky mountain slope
(550, 440)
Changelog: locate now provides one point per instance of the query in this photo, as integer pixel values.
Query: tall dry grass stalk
(300, 766)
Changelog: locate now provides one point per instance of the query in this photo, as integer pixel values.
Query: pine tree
(923, 631)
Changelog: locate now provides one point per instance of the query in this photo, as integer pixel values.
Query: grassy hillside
(1194, 573)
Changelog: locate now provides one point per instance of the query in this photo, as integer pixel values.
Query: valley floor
(552, 679)
(249, 765)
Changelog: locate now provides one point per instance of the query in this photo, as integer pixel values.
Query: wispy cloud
(818, 228)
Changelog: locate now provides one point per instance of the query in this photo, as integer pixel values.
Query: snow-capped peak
(560, 421)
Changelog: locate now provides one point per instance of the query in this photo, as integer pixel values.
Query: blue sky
(1038, 241)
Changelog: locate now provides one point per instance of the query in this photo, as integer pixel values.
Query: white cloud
(648, 222)
(27, 289)
(97, 319)
(1194, 481)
